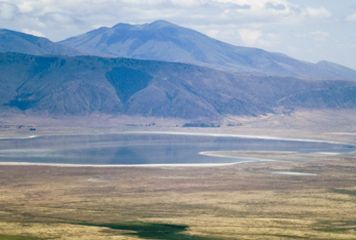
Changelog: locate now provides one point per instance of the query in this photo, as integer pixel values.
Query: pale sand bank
(294, 173)
(225, 154)
(245, 136)
(119, 165)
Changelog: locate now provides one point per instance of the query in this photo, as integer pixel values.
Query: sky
(310, 30)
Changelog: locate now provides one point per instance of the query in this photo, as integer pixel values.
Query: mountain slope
(165, 41)
(11, 41)
(82, 85)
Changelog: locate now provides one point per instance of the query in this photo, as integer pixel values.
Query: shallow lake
(146, 148)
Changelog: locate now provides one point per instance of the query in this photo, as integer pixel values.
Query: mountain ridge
(14, 41)
(165, 41)
(39, 76)
(80, 85)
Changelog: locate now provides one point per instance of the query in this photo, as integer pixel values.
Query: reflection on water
(144, 148)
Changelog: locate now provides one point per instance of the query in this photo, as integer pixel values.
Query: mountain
(62, 85)
(11, 41)
(164, 41)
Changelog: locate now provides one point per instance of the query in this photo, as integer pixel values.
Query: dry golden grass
(246, 201)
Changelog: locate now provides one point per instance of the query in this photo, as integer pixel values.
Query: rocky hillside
(82, 85)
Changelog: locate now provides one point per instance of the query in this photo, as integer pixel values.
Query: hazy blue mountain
(165, 41)
(84, 84)
(11, 41)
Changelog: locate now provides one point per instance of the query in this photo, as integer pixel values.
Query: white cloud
(32, 32)
(25, 7)
(58, 18)
(351, 17)
(319, 35)
(249, 36)
(320, 12)
(7, 10)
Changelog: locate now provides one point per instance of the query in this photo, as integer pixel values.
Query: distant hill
(81, 85)
(11, 41)
(164, 41)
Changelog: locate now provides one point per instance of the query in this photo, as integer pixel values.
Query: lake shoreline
(228, 154)
(73, 165)
(183, 133)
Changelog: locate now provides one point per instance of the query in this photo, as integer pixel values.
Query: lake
(146, 148)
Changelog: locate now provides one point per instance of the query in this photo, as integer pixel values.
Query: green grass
(337, 227)
(157, 231)
(351, 193)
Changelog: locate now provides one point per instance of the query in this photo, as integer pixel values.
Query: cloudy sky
(311, 30)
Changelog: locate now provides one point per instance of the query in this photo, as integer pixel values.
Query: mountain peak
(165, 41)
(161, 23)
(121, 25)
(154, 24)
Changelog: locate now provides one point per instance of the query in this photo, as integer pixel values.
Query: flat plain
(298, 196)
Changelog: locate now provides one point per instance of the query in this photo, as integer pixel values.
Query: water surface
(141, 148)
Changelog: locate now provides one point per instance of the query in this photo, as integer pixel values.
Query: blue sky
(310, 30)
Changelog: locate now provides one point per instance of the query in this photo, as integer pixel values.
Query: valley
(246, 201)
(304, 196)
(142, 131)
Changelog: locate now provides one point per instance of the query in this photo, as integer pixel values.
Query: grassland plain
(245, 201)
